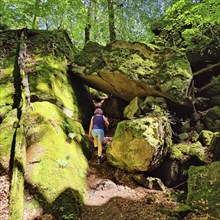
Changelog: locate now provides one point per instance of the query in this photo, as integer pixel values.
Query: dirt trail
(113, 195)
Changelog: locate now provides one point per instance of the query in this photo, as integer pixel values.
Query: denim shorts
(98, 134)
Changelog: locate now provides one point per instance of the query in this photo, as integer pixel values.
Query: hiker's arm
(90, 126)
(106, 121)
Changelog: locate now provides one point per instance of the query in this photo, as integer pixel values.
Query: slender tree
(36, 19)
(88, 4)
(111, 16)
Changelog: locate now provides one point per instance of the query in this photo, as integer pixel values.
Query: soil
(4, 193)
(114, 195)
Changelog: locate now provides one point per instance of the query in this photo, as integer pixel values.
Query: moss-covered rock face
(9, 94)
(140, 144)
(147, 69)
(138, 107)
(204, 189)
(55, 165)
(214, 147)
(133, 109)
(182, 151)
(205, 137)
(211, 91)
(212, 119)
(7, 132)
(40, 122)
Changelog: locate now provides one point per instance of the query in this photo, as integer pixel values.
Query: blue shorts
(98, 134)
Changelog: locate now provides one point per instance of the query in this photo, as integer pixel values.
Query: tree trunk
(88, 22)
(111, 16)
(36, 19)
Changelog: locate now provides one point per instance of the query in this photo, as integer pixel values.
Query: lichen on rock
(140, 144)
(147, 71)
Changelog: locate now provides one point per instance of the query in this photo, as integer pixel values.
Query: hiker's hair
(98, 111)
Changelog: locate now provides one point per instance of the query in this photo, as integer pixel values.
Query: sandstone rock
(140, 144)
(214, 147)
(128, 70)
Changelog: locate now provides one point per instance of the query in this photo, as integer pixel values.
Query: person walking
(96, 130)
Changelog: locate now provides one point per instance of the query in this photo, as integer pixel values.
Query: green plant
(69, 216)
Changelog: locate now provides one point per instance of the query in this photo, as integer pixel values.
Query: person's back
(98, 122)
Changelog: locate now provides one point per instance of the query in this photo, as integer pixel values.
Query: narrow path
(113, 195)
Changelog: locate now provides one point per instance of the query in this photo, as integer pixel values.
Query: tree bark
(88, 22)
(36, 19)
(111, 16)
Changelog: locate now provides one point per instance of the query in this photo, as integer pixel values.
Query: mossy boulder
(140, 144)
(204, 189)
(214, 147)
(138, 106)
(9, 94)
(133, 109)
(48, 78)
(212, 119)
(180, 157)
(7, 89)
(211, 91)
(182, 151)
(41, 116)
(147, 69)
(205, 137)
(55, 168)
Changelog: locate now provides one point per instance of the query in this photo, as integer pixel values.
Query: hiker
(96, 130)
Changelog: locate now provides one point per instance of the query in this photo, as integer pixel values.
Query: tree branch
(209, 67)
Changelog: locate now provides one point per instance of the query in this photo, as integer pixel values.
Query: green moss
(175, 153)
(133, 110)
(61, 166)
(214, 146)
(183, 136)
(204, 189)
(7, 130)
(197, 150)
(212, 119)
(50, 82)
(57, 43)
(7, 89)
(137, 140)
(182, 151)
(17, 183)
(205, 137)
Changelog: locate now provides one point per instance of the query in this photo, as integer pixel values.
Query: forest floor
(114, 195)
(4, 194)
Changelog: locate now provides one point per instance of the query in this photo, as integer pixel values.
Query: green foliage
(192, 26)
(132, 17)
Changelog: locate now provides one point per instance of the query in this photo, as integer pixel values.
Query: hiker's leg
(99, 148)
(100, 139)
(95, 142)
(95, 138)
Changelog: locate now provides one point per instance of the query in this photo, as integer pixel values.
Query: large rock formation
(42, 138)
(140, 144)
(127, 70)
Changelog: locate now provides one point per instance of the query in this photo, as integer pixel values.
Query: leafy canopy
(132, 17)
